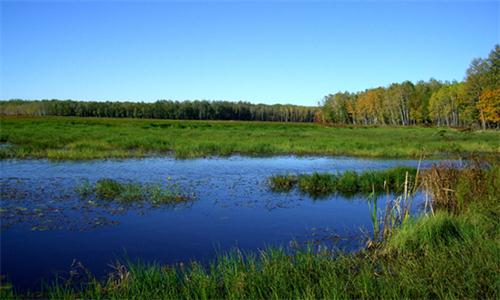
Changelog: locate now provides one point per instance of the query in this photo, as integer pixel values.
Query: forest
(163, 109)
(473, 102)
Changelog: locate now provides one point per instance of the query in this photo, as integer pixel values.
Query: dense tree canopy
(473, 101)
(189, 110)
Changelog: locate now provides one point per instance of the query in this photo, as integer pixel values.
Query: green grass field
(91, 138)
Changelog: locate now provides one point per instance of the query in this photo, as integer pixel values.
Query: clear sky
(279, 52)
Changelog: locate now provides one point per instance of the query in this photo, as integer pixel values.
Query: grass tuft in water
(347, 183)
(85, 189)
(282, 183)
(159, 195)
(108, 189)
(318, 184)
(129, 192)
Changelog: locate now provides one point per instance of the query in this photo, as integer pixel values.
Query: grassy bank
(90, 138)
(451, 253)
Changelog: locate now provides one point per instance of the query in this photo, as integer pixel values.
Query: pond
(47, 226)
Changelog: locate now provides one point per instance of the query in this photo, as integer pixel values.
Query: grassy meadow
(93, 138)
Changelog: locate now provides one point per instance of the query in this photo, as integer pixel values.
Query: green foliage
(163, 109)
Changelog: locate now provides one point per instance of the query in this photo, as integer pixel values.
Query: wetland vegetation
(423, 257)
(93, 138)
(129, 192)
(349, 182)
(383, 188)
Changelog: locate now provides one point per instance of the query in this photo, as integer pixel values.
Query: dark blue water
(46, 226)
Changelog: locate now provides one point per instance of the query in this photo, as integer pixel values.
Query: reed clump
(453, 188)
(318, 184)
(347, 183)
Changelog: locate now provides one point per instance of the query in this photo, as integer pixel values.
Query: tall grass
(93, 138)
(318, 184)
(454, 188)
(397, 211)
(347, 183)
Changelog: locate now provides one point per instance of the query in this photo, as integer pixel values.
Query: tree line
(471, 102)
(163, 109)
(474, 101)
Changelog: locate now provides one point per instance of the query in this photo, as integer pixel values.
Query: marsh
(47, 223)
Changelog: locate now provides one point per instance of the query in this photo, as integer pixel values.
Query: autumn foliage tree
(489, 107)
(471, 102)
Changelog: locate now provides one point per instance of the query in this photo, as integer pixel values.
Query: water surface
(46, 225)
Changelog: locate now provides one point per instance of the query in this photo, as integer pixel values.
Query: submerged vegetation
(447, 253)
(91, 138)
(113, 190)
(349, 182)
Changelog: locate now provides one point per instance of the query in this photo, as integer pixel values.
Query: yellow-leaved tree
(489, 106)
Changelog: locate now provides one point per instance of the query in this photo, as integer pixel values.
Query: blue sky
(262, 52)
